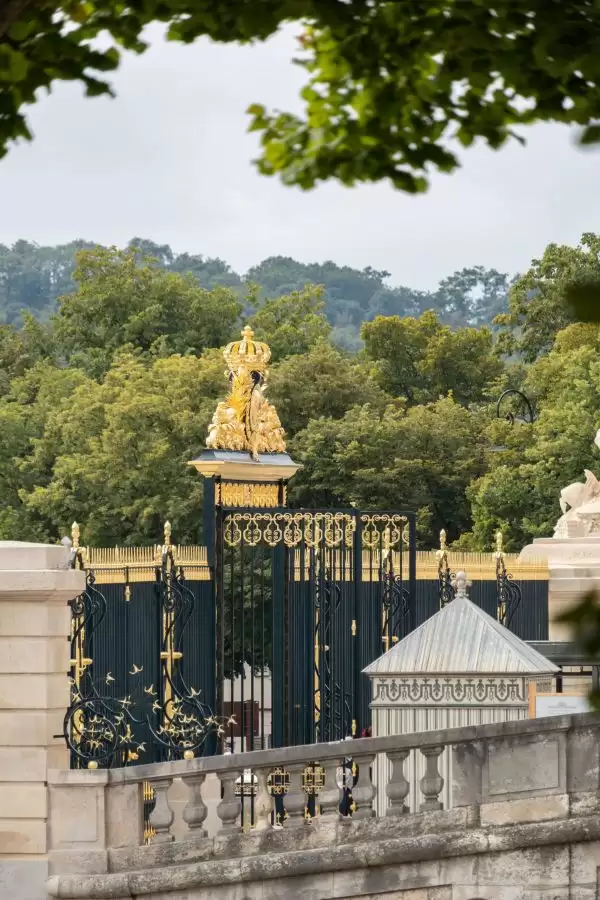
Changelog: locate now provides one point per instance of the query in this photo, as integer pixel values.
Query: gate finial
(460, 583)
(499, 540)
(246, 420)
(75, 535)
(167, 533)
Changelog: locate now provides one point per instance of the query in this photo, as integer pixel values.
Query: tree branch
(10, 12)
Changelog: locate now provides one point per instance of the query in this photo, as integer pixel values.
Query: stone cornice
(374, 850)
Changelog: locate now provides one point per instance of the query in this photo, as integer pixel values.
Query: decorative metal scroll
(395, 602)
(508, 591)
(384, 531)
(380, 531)
(313, 529)
(102, 730)
(445, 577)
(333, 713)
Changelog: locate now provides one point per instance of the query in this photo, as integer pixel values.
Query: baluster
(398, 787)
(329, 795)
(230, 807)
(364, 792)
(263, 802)
(195, 810)
(161, 817)
(295, 799)
(431, 782)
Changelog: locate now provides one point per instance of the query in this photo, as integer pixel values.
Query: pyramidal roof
(461, 639)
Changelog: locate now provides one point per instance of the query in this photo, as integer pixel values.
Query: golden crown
(251, 354)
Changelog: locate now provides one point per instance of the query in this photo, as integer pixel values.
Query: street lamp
(528, 417)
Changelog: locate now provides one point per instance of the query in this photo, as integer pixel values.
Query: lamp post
(528, 416)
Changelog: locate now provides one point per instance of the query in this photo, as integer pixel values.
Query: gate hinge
(353, 627)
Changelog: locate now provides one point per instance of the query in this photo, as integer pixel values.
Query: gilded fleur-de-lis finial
(75, 535)
(499, 551)
(167, 533)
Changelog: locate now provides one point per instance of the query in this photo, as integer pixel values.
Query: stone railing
(512, 772)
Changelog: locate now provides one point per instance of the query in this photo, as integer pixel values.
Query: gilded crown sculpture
(245, 420)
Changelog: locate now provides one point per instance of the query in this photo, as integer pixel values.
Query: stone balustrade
(511, 773)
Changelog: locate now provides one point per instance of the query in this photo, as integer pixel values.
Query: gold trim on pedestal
(248, 494)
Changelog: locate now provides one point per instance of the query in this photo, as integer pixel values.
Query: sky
(170, 160)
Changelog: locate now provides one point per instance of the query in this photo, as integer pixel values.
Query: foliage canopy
(103, 401)
(391, 86)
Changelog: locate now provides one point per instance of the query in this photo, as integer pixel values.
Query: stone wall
(35, 586)
(525, 824)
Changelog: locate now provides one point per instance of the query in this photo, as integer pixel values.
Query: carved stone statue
(245, 420)
(580, 506)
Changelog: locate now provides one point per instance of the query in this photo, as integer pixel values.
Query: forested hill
(32, 277)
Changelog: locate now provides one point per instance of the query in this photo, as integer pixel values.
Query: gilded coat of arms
(246, 420)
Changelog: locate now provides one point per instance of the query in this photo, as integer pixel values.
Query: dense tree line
(103, 401)
(33, 277)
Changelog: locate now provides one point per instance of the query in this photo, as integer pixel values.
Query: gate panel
(142, 659)
(328, 589)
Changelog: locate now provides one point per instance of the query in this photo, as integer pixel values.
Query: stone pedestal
(36, 584)
(573, 568)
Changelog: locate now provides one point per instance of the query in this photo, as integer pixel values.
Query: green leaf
(583, 298)
(21, 30)
(590, 135)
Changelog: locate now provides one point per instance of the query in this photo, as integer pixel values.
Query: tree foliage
(121, 302)
(539, 304)
(391, 86)
(421, 359)
(103, 403)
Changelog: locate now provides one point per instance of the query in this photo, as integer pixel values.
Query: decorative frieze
(454, 691)
(231, 493)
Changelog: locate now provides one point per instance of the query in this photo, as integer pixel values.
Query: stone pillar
(36, 584)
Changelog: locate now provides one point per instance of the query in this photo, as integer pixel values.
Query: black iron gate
(142, 658)
(305, 600)
(260, 637)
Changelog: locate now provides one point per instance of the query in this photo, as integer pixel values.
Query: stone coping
(344, 857)
(20, 556)
(336, 750)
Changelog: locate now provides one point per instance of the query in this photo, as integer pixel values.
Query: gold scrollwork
(232, 533)
(382, 530)
(329, 530)
(292, 530)
(252, 532)
(272, 532)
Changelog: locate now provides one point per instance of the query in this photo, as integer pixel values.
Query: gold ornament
(246, 420)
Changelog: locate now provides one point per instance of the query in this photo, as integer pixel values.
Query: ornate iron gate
(142, 657)
(305, 600)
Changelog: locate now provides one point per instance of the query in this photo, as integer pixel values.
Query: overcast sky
(170, 160)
